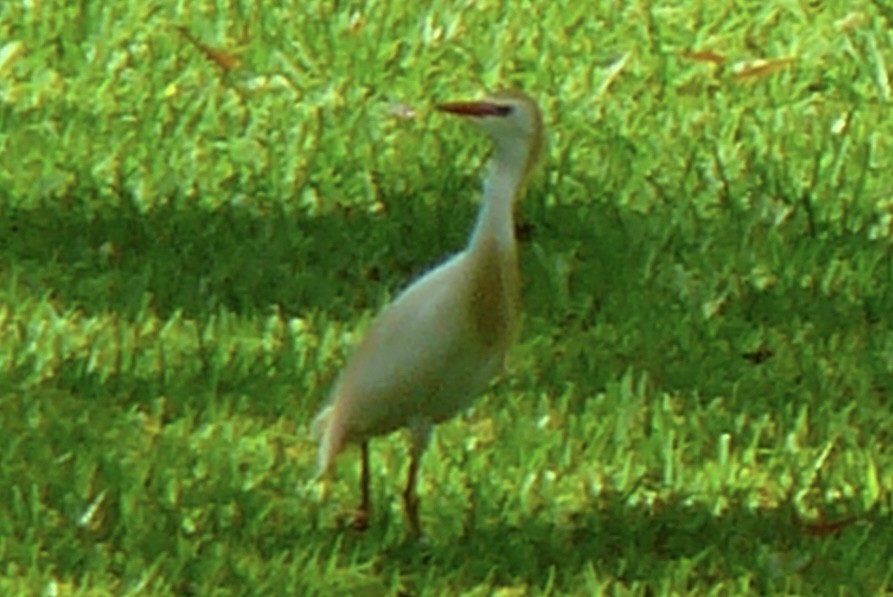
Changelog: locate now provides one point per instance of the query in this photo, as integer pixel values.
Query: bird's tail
(326, 429)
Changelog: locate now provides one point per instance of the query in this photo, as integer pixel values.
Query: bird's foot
(360, 520)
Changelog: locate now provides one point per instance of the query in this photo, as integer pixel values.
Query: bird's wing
(402, 363)
(416, 357)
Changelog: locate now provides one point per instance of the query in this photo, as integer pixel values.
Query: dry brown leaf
(749, 69)
(705, 56)
(824, 528)
(851, 21)
(222, 58)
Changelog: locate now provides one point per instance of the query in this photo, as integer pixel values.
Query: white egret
(432, 351)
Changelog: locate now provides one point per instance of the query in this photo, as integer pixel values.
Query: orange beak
(475, 109)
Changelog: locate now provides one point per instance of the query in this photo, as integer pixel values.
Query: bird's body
(392, 379)
(431, 352)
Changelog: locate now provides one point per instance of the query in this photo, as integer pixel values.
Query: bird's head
(512, 119)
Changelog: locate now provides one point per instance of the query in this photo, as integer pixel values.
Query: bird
(431, 352)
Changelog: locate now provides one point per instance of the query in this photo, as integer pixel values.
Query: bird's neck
(502, 185)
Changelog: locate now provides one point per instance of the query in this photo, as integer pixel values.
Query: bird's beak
(477, 109)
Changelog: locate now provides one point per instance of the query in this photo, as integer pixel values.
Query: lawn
(203, 204)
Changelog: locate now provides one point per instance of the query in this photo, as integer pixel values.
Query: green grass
(188, 253)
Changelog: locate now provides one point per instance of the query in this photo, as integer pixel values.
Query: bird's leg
(361, 518)
(420, 433)
(411, 498)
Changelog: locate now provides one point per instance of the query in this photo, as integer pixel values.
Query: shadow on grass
(582, 265)
(95, 258)
(248, 258)
(670, 542)
(201, 260)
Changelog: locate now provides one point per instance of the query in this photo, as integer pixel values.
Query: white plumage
(432, 351)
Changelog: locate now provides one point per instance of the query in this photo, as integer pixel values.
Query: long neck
(504, 179)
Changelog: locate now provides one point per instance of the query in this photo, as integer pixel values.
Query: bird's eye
(506, 110)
